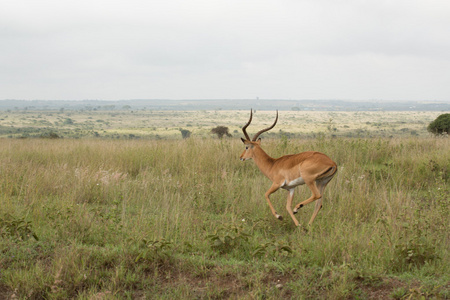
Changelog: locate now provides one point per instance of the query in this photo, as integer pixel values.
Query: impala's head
(252, 144)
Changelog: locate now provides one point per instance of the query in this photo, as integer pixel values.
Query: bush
(50, 135)
(440, 125)
(221, 131)
(185, 133)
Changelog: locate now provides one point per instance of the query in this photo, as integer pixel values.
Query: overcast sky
(230, 49)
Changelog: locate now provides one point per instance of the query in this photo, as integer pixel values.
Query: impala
(312, 168)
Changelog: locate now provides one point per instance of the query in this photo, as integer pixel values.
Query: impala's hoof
(296, 209)
(279, 217)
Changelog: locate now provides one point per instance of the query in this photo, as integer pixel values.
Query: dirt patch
(381, 289)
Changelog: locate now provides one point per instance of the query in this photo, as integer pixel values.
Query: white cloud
(225, 49)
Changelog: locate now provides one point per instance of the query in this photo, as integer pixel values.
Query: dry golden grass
(167, 124)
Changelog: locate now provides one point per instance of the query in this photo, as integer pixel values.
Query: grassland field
(167, 124)
(123, 208)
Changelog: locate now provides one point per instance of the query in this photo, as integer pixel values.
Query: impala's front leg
(289, 206)
(272, 190)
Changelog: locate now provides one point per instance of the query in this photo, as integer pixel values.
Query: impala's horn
(244, 129)
(267, 129)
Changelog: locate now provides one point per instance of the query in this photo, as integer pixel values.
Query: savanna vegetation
(441, 125)
(148, 124)
(185, 219)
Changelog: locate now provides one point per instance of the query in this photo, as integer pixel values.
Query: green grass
(185, 219)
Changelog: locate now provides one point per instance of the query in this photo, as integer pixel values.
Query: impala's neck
(263, 161)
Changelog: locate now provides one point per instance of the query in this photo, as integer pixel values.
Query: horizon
(232, 99)
(226, 104)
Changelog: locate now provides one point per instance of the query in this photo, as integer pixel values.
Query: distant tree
(50, 135)
(68, 121)
(440, 125)
(185, 133)
(220, 131)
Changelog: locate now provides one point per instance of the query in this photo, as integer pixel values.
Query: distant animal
(312, 168)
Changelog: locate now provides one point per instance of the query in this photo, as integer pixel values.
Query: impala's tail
(328, 174)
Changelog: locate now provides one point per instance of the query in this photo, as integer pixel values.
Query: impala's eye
(246, 147)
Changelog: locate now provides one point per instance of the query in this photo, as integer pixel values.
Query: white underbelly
(293, 183)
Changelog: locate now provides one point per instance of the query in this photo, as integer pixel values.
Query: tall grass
(186, 218)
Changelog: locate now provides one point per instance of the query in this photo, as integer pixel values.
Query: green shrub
(228, 237)
(16, 228)
(441, 125)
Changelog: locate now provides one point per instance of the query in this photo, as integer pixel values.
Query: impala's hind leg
(315, 195)
(322, 183)
(318, 204)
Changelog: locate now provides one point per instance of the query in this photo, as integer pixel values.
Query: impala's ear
(242, 140)
(259, 141)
